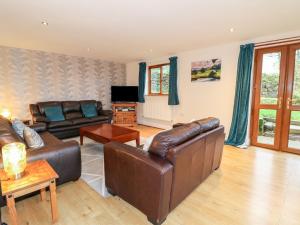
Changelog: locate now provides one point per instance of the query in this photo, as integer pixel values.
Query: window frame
(161, 74)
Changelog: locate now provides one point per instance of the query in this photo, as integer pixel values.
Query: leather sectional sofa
(64, 157)
(178, 160)
(74, 118)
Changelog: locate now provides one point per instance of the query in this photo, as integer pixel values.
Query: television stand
(124, 114)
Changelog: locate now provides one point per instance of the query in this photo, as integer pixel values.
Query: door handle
(288, 103)
(279, 103)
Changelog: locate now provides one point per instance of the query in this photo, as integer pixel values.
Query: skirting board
(155, 123)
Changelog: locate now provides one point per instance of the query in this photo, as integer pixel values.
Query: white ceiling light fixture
(231, 29)
(45, 23)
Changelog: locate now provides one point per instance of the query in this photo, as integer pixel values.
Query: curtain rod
(278, 42)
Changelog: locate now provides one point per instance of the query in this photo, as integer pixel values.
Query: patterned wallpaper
(29, 76)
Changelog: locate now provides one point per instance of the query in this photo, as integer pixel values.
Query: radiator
(156, 107)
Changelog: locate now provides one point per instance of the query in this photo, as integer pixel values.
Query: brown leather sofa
(74, 118)
(178, 160)
(64, 157)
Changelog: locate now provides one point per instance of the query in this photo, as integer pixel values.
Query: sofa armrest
(65, 159)
(39, 127)
(106, 112)
(39, 119)
(142, 179)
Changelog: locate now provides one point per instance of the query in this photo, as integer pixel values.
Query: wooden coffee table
(38, 176)
(105, 133)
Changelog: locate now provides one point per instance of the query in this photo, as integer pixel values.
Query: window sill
(157, 95)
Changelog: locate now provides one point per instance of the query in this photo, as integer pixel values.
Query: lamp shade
(14, 159)
(5, 113)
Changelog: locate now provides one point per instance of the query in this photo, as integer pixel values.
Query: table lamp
(14, 159)
(5, 113)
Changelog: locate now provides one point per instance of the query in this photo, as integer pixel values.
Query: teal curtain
(142, 81)
(239, 122)
(173, 93)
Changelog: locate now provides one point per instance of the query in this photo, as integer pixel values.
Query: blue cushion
(54, 113)
(89, 109)
(18, 126)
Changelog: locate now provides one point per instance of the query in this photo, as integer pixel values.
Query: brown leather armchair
(178, 160)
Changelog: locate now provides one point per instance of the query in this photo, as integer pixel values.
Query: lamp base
(17, 176)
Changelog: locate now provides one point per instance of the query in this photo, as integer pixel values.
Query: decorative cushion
(32, 138)
(89, 109)
(54, 113)
(43, 105)
(18, 126)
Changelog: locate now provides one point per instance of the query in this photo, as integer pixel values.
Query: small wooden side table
(38, 176)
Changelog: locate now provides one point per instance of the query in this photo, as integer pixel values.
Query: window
(158, 79)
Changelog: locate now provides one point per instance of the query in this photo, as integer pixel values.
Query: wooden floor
(254, 186)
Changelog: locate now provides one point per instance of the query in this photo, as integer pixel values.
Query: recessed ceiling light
(45, 23)
(150, 50)
(88, 49)
(231, 30)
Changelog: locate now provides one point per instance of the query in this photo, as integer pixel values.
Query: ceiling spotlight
(88, 49)
(231, 30)
(150, 50)
(45, 23)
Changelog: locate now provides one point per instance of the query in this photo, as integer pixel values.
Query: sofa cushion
(71, 106)
(163, 141)
(54, 113)
(89, 110)
(32, 138)
(57, 124)
(98, 118)
(42, 105)
(81, 121)
(208, 124)
(73, 115)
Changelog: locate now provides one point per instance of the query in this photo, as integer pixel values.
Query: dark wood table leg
(81, 138)
(137, 140)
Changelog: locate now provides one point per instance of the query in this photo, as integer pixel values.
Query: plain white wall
(202, 99)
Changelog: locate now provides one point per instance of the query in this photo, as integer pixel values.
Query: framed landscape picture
(206, 70)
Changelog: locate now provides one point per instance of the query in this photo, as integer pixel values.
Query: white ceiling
(127, 30)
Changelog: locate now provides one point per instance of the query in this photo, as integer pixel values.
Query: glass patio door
(268, 100)
(276, 99)
(291, 121)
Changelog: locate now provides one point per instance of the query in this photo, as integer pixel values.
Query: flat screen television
(124, 93)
